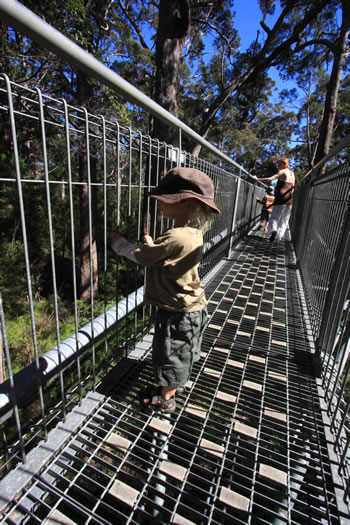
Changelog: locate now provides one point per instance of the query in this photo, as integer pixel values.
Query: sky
(247, 22)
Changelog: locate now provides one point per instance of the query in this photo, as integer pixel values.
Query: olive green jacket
(172, 260)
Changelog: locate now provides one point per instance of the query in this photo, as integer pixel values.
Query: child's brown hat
(185, 183)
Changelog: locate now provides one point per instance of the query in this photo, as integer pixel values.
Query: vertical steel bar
(116, 208)
(72, 233)
(26, 254)
(344, 459)
(339, 387)
(129, 214)
(148, 179)
(234, 214)
(11, 381)
(342, 348)
(342, 423)
(89, 191)
(140, 207)
(139, 199)
(52, 249)
(147, 222)
(180, 148)
(336, 291)
(105, 240)
(130, 173)
(156, 183)
(118, 177)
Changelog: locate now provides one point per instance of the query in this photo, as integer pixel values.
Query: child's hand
(148, 239)
(115, 236)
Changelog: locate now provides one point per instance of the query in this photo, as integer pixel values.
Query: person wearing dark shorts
(185, 195)
(176, 345)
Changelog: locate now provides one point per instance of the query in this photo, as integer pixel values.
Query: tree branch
(321, 41)
(265, 28)
(133, 25)
(215, 29)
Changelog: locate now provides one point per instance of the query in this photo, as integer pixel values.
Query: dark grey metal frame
(320, 229)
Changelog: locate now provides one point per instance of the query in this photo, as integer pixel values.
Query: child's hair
(199, 215)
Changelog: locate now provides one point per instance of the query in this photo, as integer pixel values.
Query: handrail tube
(25, 379)
(18, 16)
(49, 362)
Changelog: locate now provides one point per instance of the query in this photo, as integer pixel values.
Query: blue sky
(247, 21)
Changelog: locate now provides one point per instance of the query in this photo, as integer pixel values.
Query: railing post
(26, 250)
(179, 151)
(234, 213)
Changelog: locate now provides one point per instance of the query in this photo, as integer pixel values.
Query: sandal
(151, 397)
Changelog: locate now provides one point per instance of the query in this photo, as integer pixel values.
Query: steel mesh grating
(247, 442)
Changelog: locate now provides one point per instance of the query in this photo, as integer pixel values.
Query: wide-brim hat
(185, 183)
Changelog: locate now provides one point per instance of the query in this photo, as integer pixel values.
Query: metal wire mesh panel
(323, 250)
(322, 208)
(68, 179)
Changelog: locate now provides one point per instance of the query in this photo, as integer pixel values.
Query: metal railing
(320, 229)
(43, 187)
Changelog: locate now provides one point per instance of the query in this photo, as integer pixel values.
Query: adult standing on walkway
(282, 207)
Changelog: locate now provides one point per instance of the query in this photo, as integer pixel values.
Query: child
(185, 195)
(266, 210)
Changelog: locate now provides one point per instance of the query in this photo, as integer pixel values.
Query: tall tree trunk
(341, 51)
(84, 93)
(173, 28)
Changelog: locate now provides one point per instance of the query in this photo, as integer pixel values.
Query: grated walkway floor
(247, 443)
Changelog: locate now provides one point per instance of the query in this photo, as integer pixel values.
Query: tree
(340, 49)
(29, 64)
(318, 63)
(173, 28)
(286, 32)
(161, 47)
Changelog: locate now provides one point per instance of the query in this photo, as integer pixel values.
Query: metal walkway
(246, 445)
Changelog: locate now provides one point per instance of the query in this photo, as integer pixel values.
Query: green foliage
(19, 328)
(123, 35)
(13, 290)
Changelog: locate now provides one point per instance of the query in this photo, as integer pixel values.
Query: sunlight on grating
(246, 443)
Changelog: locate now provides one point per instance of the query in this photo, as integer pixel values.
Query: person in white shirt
(282, 206)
